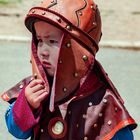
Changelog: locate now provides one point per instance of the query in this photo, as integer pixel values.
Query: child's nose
(45, 54)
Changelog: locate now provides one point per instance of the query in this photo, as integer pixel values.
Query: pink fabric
(23, 114)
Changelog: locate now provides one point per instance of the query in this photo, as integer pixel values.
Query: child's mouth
(46, 64)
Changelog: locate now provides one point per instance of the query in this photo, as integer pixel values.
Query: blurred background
(119, 50)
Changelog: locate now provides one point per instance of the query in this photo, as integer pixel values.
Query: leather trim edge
(122, 124)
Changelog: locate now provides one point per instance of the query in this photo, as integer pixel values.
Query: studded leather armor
(85, 105)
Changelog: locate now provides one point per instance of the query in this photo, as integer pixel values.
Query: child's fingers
(37, 94)
(42, 96)
(37, 88)
(35, 82)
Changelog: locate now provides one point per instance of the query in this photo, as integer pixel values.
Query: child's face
(48, 45)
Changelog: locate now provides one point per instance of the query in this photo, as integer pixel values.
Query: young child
(69, 96)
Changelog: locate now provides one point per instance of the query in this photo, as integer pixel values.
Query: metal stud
(69, 112)
(85, 58)
(116, 109)
(68, 45)
(92, 7)
(77, 125)
(109, 122)
(43, 13)
(94, 23)
(21, 86)
(64, 89)
(42, 130)
(35, 76)
(60, 61)
(80, 13)
(85, 138)
(33, 11)
(84, 116)
(68, 27)
(105, 101)
(58, 19)
(90, 103)
(75, 74)
(100, 114)
(95, 125)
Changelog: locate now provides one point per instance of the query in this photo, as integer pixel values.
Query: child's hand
(35, 93)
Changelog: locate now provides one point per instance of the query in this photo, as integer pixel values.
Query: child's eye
(53, 41)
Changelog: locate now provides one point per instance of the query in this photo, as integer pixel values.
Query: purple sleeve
(23, 114)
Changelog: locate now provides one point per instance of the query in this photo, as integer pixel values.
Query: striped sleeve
(13, 128)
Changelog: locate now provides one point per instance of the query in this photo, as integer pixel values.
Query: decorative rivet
(68, 27)
(92, 7)
(68, 45)
(105, 101)
(95, 125)
(100, 114)
(60, 61)
(64, 89)
(85, 138)
(85, 58)
(43, 13)
(80, 13)
(33, 11)
(84, 116)
(21, 86)
(69, 112)
(42, 130)
(77, 125)
(94, 23)
(58, 19)
(75, 74)
(90, 103)
(116, 109)
(109, 122)
(35, 76)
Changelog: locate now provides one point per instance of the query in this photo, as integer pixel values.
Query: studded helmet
(80, 21)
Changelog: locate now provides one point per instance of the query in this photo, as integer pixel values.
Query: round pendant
(57, 128)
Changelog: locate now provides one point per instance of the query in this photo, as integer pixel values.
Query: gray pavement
(120, 19)
(123, 67)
